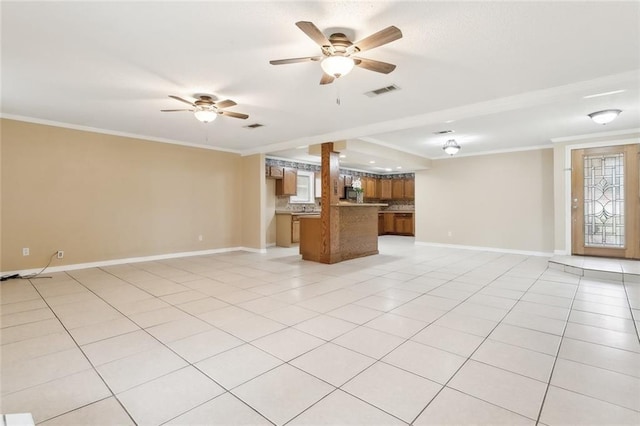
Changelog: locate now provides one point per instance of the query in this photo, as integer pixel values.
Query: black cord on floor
(31, 276)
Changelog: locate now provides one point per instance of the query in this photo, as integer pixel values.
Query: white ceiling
(511, 75)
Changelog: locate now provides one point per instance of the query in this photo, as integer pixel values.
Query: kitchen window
(306, 183)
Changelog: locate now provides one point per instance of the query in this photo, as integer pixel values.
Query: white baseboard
(101, 263)
(560, 253)
(491, 249)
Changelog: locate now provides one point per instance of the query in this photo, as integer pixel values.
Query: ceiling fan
(337, 57)
(206, 109)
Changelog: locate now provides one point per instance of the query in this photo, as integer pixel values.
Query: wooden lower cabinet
(403, 223)
(287, 229)
(395, 224)
(295, 229)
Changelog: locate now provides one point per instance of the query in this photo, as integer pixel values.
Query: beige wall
(502, 201)
(253, 186)
(101, 197)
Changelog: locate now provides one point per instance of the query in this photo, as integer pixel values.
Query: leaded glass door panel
(605, 202)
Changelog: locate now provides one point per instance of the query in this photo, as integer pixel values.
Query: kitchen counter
(396, 211)
(294, 213)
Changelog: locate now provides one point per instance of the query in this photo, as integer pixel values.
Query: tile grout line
(475, 350)
(85, 356)
(555, 361)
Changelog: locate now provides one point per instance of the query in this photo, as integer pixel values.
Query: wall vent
(382, 91)
(443, 132)
(253, 126)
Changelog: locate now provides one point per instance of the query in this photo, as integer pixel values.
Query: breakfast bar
(356, 234)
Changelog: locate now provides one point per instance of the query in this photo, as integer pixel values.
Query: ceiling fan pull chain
(338, 91)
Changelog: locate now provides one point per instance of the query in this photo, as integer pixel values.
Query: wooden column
(330, 215)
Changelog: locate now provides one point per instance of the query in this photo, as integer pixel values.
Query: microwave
(350, 193)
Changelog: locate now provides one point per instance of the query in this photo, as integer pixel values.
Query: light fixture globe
(451, 147)
(206, 115)
(337, 66)
(606, 116)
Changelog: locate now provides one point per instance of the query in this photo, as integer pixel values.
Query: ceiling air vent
(443, 132)
(382, 91)
(253, 126)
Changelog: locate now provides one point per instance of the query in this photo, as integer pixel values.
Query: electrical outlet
(199, 237)
(25, 251)
(449, 234)
(60, 254)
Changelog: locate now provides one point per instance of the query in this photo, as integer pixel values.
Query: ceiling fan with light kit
(338, 52)
(206, 109)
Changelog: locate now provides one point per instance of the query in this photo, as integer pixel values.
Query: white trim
(113, 262)
(595, 135)
(112, 132)
(560, 253)
(491, 249)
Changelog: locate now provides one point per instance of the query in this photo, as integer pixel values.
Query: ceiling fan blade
(313, 33)
(326, 79)
(385, 36)
(225, 104)
(377, 66)
(295, 60)
(234, 114)
(175, 110)
(181, 100)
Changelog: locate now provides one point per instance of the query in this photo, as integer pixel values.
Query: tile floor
(416, 335)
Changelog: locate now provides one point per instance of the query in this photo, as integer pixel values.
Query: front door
(605, 202)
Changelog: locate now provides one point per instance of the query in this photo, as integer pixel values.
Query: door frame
(568, 154)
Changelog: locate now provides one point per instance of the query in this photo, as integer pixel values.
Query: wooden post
(330, 215)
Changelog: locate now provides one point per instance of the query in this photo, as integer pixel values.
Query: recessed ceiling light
(399, 167)
(301, 147)
(603, 94)
(387, 170)
(343, 156)
(372, 162)
(449, 121)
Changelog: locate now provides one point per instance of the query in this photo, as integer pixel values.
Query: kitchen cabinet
(389, 223)
(275, 172)
(288, 228)
(395, 223)
(384, 188)
(403, 223)
(409, 189)
(397, 189)
(369, 186)
(288, 185)
(295, 229)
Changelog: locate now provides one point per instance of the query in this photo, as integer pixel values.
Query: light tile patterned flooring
(416, 335)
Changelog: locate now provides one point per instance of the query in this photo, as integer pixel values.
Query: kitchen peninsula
(356, 233)
(343, 230)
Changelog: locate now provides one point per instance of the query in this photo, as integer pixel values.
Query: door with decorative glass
(605, 202)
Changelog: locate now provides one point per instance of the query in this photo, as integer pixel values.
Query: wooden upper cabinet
(275, 172)
(397, 189)
(369, 186)
(384, 186)
(288, 185)
(409, 189)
